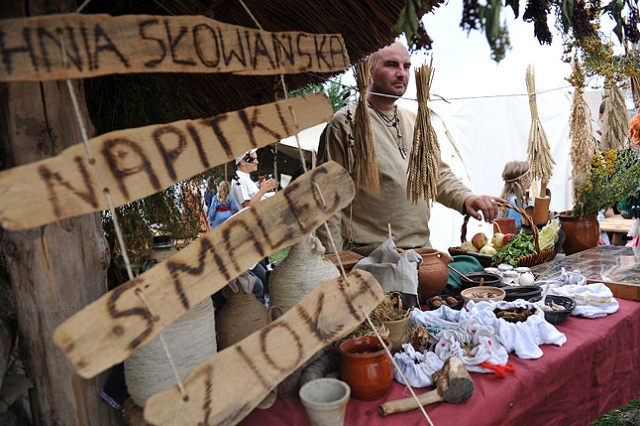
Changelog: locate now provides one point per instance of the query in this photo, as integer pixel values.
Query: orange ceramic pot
(433, 273)
(365, 366)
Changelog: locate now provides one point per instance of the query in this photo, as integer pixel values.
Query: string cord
(397, 367)
(114, 216)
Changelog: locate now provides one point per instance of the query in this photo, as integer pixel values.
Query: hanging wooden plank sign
(134, 163)
(224, 388)
(63, 46)
(228, 385)
(110, 329)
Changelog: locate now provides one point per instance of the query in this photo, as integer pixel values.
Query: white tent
(479, 135)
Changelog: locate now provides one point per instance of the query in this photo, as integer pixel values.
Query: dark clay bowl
(455, 306)
(473, 280)
(525, 292)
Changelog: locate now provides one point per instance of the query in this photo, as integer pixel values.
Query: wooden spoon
(458, 272)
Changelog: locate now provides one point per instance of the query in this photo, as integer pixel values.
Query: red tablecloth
(597, 370)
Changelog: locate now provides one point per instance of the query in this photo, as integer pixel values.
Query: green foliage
(623, 416)
(518, 246)
(339, 95)
(614, 176)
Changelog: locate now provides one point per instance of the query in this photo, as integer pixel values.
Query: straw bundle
(366, 164)
(425, 151)
(583, 144)
(635, 90)
(615, 131)
(538, 148)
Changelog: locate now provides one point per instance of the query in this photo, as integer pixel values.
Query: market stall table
(593, 373)
(618, 267)
(617, 226)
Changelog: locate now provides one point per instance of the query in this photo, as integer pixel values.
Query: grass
(625, 416)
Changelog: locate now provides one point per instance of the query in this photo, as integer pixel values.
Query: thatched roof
(366, 25)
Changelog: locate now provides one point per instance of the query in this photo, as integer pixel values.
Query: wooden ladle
(462, 276)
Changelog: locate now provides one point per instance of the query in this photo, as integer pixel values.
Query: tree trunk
(57, 269)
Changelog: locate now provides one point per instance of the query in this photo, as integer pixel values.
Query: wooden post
(55, 270)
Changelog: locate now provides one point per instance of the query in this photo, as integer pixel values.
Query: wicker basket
(529, 260)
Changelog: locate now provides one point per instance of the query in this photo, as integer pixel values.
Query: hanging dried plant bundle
(635, 90)
(366, 164)
(583, 144)
(616, 127)
(538, 148)
(425, 150)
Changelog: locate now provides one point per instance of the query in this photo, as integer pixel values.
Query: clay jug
(366, 367)
(242, 314)
(433, 273)
(303, 269)
(581, 233)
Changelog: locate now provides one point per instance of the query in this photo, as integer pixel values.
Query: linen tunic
(365, 221)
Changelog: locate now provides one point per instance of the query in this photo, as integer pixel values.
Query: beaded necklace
(395, 123)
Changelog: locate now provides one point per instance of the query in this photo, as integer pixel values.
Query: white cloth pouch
(417, 367)
(394, 271)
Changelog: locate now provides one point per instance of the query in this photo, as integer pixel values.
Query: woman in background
(517, 181)
(222, 206)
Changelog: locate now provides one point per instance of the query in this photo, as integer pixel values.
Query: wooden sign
(110, 329)
(63, 46)
(228, 385)
(134, 163)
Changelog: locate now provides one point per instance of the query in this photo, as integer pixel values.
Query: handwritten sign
(228, 385)
(135, 163)
(108, 330)
(62, 46)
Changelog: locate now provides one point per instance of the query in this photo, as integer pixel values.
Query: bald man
(365, 221)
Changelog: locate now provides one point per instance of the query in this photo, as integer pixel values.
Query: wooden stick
(110, 329)
(102, 44)
(453, 384)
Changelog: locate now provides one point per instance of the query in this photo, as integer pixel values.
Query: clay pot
(581, 233)
(433, 273)
(325, 401)
(365, 366)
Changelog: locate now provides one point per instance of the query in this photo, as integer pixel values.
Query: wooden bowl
(484, 293)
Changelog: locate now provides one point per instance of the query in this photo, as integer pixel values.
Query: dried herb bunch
(614, 176)
(582, 142)
(422, 181)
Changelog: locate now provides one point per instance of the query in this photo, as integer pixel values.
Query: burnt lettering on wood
(53, 180)
(126, 158)
(141, 312)
(72, 46)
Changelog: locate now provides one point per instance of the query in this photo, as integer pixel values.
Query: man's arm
(454, 194)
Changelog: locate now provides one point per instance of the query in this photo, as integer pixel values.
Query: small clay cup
(365, 366)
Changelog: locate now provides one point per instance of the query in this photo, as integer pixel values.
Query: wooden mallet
(453, 384)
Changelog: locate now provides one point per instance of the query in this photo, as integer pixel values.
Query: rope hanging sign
(135, 163)
(102, 44)
(228, 385)
(108, 330)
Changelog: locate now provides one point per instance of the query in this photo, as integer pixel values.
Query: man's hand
(485, 203)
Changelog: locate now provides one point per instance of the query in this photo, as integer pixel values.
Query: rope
(194, 333)
(114, 216)
(386, 349)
